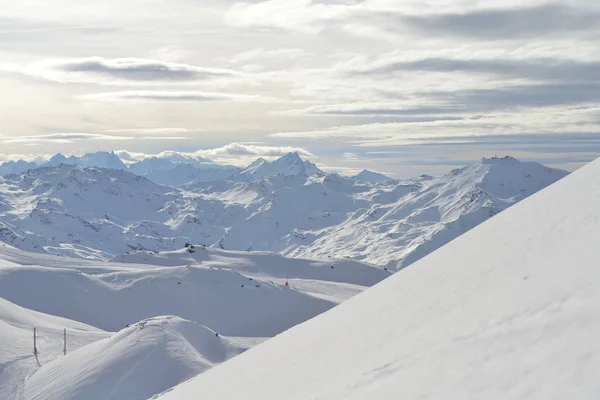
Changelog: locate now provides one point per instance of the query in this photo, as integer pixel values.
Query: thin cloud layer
(239, 154)
(121, 71)
(172, 96)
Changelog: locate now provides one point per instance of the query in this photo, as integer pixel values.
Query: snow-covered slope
(248, 290)
(100, 213)
(506, 311)
(244, 296)
(17, 360)
(370, 176)
(136, 363)
(425, 218)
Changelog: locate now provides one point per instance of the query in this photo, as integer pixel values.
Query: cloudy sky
(399, 86)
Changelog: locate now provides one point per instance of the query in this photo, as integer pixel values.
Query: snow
(270, 249)
(242, 296)
(17, 361)
(246, 292)
(290, 164)
(506, 311)
(16, 167)
(254, 304)
(370, 176)
(139, 361)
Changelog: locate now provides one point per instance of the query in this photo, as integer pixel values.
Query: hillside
(97, 213)
(506, 311)
(139, 361)
(198, 291)
(16, 348)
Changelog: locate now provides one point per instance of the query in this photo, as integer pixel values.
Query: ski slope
(507, 311)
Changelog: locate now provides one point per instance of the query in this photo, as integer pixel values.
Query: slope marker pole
(34, 343)
(65, 342)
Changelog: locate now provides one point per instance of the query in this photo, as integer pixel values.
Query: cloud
(174, 96)
(63, 138)
(240, 154)
(155, 131)
(538, 121)
(285, 54)
(130, 157)
(301, 15)
(241, 149)
(513, 22)
(375, 109)
(391, 20)
(538, 69)
(121, 71)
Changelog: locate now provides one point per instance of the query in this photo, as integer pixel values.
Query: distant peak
(58, 156)
(292, 156)
(370, 176)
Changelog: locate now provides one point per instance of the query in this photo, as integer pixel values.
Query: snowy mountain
(16, 167)
(100, 213)
(426, 217)
(369, 176)
(175, 169)
(101, 159)
(161, 318)
(506, 311)
(170, 161)
(290, 164)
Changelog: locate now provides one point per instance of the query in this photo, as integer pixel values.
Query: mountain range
(287, 206)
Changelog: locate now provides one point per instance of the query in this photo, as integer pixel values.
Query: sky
(403, 87)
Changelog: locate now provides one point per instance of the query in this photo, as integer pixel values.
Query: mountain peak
(369, 176)
(290, 158)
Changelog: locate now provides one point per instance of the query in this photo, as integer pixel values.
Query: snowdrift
(507, 311)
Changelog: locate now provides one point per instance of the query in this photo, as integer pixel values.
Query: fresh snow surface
(242, 296)
(96, 213)
(507, 311)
